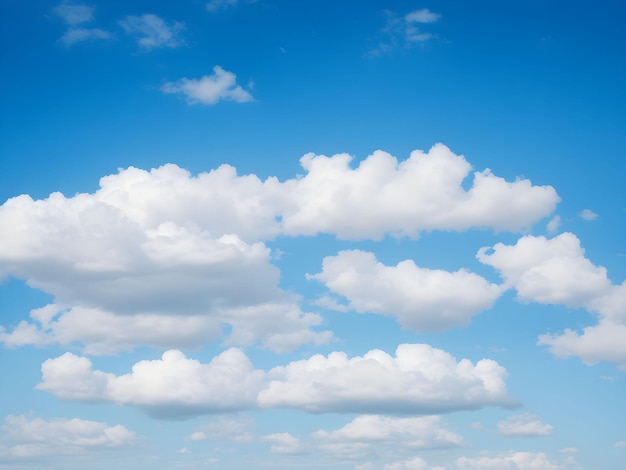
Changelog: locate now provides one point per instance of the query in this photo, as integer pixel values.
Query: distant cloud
(176, 387)
(553, 225)
(510, 461)
(216, 5)
(620, 444)
(421, 299)
(587, 214)
(210, 89)
(403, 31)
(569, 450)
(74, 15)
(153, 31)
(524, 425)
(32, 437)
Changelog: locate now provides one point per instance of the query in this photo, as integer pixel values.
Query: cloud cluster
(29, 437)
(404, 31)
(524, 425)
(75, 15)
(508, 461)
(418, 380)
(556, 272)
(150, 248)
(221, 85)
(421, 299)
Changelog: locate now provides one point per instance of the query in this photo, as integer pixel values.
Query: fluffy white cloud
(383, 196)
(171, 387)
(418, 380)
(284, 443)
(509, 461)
(413, 433)
(75, 15)
(29, 437)
(153, 31)
(555, 271)
(524, 425)
(208, 90)
(421, 299)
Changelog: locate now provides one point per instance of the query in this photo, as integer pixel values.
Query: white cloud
(509, 461)
(284, 443)
(208, 90)
(418, 380)
(383, 196)
(422, 16)
(74, 35)
(153, 31)
(171, 387)
(74, 14)
(620, 444)
(421, 299)
(553, 225)
(524, 425)
(216, 5)
(413, 433)
(239, 429)
(28, 437)
(412, 464)
(555, 271)
(569, 450)
(403, 31)
(587, 214)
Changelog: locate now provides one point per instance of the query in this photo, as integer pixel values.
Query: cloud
(403, 31)
(587, 214)
(284, 443)
(422, 193)
(524, 425)
(620, 444)
(509, 461)
(217, 5)
(153, 31)
(424, 432)
(26, 437)
(421, 299)
(556, 272)
(553, 225)
(418, 380)
(74, 15)
(208, 90)
(171, 387)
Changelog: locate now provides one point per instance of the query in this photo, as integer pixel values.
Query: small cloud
(587, 214)
(208, 90)
(569, 450)
(524, 425)
(197, 436)
(184, 450)
(553, 225)
(153, 31)
(74, 35)
(217, 5)
(608, 378)
(74, 14)
(422, 16)
(331, 304)
(620, 444)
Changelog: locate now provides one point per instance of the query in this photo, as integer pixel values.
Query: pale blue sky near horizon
(307, 256)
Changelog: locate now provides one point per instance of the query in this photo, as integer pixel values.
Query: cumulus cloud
(509, 461)
(283, 443)
(418, 380)
(412, 433)
(28, 437)
(556, 272)
(171, 387)
(424, 192)
(587, 214)
(210, 89)
(524, 425)
(74, 15)
(421, 299)
(152, 31)
(149, 247)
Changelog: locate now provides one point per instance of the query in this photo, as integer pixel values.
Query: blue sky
(336, 235)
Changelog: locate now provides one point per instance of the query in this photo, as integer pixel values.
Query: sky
(374, 235)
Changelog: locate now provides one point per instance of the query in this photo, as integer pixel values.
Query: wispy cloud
(404, 31)
(74, 15)
(524, 425)
(210, 89)
(216, 5)
(153, 32)
(587, 214)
